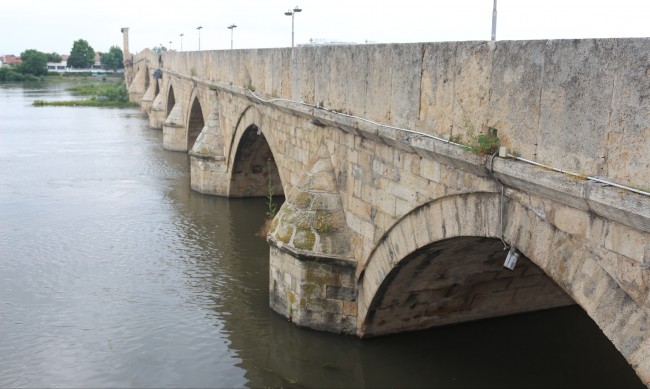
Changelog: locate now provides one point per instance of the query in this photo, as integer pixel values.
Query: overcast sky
(54, 25)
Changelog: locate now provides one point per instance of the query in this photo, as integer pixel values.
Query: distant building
(58, 66)
(62, 67)
(9, 60)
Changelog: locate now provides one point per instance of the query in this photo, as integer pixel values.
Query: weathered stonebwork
(397, 210)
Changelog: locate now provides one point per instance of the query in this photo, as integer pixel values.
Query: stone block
(571, 220)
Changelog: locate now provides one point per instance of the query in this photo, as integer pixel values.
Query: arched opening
(254, 172)
(457, 280)
(171, 101)
(195, 124)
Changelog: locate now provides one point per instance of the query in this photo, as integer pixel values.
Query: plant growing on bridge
(479, 144)
(272, 206)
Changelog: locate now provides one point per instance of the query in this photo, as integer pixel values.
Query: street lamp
(199, 28)
(231, 28)
(494, 21)
(170, 45)
(181, 35)
(292, 13)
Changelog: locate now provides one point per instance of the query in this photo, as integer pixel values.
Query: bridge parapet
(573, 104)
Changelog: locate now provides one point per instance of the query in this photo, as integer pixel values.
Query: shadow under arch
(147, 79)
(254, 172)
(454, 222)
(195, 121)
(457, 280)
(171, 100)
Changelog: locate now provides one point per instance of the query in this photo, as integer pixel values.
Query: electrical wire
(416, 133)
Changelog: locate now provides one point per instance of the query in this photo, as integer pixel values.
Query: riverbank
(100, 94)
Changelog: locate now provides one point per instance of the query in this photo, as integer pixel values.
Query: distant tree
(33, 62)
(54, 57)
(82, 55)
(113, 59)
(159, 49)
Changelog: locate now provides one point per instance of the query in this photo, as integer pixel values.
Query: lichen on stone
(304, 239)
(301, 200)
(327, 221)
(283, 233)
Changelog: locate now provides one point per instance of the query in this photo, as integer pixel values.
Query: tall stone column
(127, 58)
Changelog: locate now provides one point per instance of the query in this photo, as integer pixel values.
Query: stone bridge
(399, 211)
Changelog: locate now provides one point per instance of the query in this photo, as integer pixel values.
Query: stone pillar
(174, 130)
(312, 280)
(127, 58)
(147, 99)
(157, 111)
(208, 166)
(137, 86)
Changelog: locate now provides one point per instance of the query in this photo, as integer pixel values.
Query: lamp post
(292, 13)
(181, 35)
(170, 45)
(231, 28)
(199, 28)
(494, 21)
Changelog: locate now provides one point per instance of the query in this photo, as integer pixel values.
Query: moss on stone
(326, 221)
(310, 293)
(304, 239)
(297, 218)
(301, 200)
(284, 233)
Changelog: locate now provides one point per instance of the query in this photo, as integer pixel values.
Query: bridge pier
(312, 271)
(157, 112)
(174, 130)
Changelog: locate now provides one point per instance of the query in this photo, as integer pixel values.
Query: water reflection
(113, 273)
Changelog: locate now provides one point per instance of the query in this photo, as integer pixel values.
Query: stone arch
(252, 159)
(254, 166)
(195, 118)
(455, 222)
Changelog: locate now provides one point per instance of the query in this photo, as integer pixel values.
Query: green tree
(82, 55)
(33, 62)
(113, 59)
(54, 57)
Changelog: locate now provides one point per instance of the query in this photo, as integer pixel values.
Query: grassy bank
(100, 94)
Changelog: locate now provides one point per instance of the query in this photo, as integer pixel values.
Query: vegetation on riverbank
(104, 94)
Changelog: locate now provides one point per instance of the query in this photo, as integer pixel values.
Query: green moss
(326, 221)
(310, 293)
(204, 149)
(320, 275)
(301, 200)
(284, 234)
(304, 239)
(299, 219)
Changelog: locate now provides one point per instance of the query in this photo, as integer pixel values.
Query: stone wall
(578, 105)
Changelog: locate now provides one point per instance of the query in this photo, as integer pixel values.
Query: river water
(113, 273)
